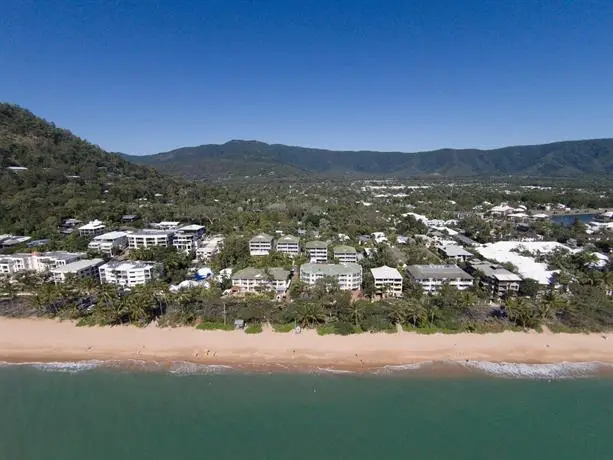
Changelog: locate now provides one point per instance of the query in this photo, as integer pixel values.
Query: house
(147, 238)
(349, 276)
(454, 253)
(388, 280)
(92, 228)
(7, 241)
(257, 279)
(379, 237)
(345, 254)
(129, 218)
(86, 268)
(165, 225)
(364, 239)
(128, 273)
(498, 279)
(289, 245)
(38, 243)
(38, 262)
(433, 277)
(261, 245)
(109, 243)
(210, 247)
(317, 251)
(187, 237)
(464, 240)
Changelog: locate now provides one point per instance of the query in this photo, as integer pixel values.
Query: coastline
(51, 341)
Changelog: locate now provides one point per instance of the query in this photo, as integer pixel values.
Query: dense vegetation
(250, 158)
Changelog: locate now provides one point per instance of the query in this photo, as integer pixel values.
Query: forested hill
(65, 177)
(242, 158)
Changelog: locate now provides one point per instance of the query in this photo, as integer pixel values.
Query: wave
(393, 368)
(188, 368)
(563, 370)
(71, 367)
(329, 370)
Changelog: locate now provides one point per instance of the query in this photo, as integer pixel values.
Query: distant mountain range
(238, 158)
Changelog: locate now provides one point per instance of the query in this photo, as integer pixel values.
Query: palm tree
(416, 310)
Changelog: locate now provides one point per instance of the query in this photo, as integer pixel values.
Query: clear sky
(152, 75)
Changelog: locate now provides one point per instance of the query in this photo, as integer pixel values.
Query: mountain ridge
(248, 157)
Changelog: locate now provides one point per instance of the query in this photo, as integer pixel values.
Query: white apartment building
(86, 268)
(388, 280)
(256, 280)
(147, 238)
(92, 228)
(349, 276)
(289, 245)
(38, 262)
(454, 252)
(128, 274)
(433, 277)
(109, 243)
(210, 247)
(186, 238)
(261, 245)
(345, 254)
(317, 252)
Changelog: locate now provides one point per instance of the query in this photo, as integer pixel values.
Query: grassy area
(283, 327)
(212, 326)
(253, 328)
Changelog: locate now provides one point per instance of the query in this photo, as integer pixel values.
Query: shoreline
(51, 341)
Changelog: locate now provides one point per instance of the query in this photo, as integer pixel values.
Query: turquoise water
(114, 414)
(568, 220)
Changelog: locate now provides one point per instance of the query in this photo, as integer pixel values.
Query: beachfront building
(345, 254)
(187, 237)
(86, 268)
(289, 245)
(109, 243)
(500, 281)
(349, 276)
(261, 245)
(257, 280)
(317, 251)
(388, 281)
(93, 228)
(128, 274)
(433, 277)
(455, 253)
(209, 247)
(37, 262)
(147, 238)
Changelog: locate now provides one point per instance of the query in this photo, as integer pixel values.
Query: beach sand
(44, 340)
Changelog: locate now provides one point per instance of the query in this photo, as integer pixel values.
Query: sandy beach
(28, 340)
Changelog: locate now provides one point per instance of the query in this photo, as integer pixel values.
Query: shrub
(325, 329)
(212, 326)
(283, 327)
(344, 328)
(253, 328)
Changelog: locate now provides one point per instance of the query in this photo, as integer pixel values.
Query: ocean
(472, 411)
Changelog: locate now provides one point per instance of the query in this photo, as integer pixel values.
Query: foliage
(211, 326)
(255, 328)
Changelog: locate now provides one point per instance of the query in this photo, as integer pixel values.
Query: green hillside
(252, 158)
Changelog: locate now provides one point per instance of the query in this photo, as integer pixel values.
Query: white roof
(92, 225)
(74, 267)
(110, 236)
(454, 250)
(385, 272)
(190, 228)
(528, 268)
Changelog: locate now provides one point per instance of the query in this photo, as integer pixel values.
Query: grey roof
(262, 237)
(331, 269)
(495, 271)
(316, 245)
(464, 240)
(128, 264)
(288, 239)
(150, 232)
(78, 265)
(344, 250)
(62, 255)
(437, 271)
(250, 273)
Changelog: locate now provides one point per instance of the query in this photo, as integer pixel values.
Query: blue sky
(148, 76)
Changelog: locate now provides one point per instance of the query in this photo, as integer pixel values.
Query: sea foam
(563, 370)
